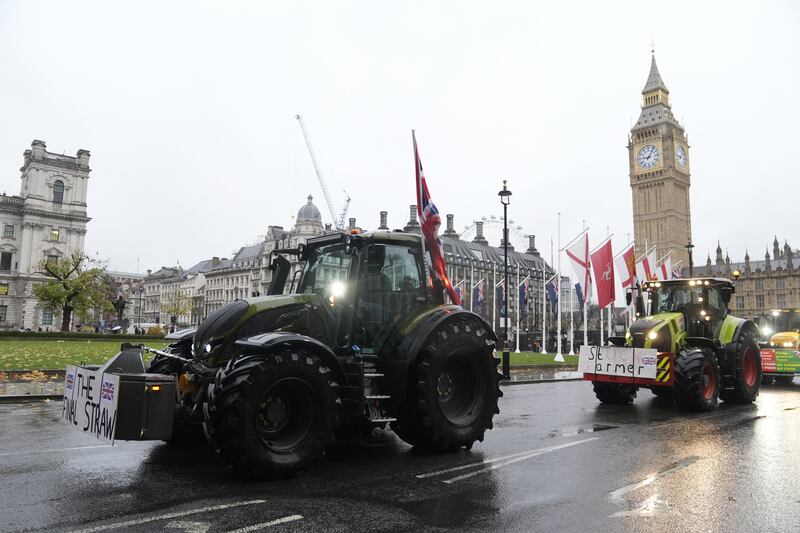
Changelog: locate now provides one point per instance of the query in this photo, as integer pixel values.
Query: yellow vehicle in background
(780, 357)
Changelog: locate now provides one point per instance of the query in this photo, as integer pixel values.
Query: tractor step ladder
(373, 397)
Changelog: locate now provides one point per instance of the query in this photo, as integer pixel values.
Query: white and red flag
(429, 221)
(603, 267)
(578, 254)
(665, 268)
(646, 267)
(625, 267)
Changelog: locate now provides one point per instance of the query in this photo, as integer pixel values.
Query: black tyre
(453, 390)
(187, 429)
(272, 415)
(767, 380)
(784, 380)
(746, 375)
(696, 380)
(615, 393)
(663, 392)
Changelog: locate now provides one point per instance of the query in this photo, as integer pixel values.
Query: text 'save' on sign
(618, 361)
(90, 402)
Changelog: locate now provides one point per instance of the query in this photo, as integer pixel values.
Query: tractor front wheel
(272, 415)
(454, 392)
(746, 374)
(615, 393)
(696, 380)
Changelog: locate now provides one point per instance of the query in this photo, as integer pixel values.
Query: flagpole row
(573, 240)
(601, 244)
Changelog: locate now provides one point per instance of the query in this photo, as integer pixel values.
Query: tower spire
(654, 81)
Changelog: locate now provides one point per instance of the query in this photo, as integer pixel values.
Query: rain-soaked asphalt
(556, 461)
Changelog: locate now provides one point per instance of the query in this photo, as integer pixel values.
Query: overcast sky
(188, 111)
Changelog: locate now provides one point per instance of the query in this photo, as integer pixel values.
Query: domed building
(307, 224)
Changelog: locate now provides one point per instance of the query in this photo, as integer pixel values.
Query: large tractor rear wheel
(615, 393)
(746, 374)
(271, 415)
(454, 391)
(696, 380)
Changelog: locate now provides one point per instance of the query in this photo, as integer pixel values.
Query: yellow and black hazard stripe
(664, 369)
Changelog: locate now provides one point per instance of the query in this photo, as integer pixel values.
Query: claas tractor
(363, 340)
(684, 345)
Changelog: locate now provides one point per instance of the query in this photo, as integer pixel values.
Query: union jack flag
(430, 221)
(70, 381)
(107, 391)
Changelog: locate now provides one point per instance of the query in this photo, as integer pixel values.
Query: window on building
(3, 289)
(58, 192)
(760, 301)
(780, 283)
(781, 300)
(52, 258)
(740, 302)
(54, 234)
(759, 284)
(5, 260)
(8, 231)
(3, 311)
(47, 316)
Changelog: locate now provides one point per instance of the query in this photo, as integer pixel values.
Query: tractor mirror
(376, 256)
(726, 292)
(628, 297)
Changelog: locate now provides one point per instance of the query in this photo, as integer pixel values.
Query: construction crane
(337, 221)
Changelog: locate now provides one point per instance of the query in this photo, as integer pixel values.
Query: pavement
(27, 385)
(556, 460)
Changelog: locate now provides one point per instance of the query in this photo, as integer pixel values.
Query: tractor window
(389, 288)
(326, 272)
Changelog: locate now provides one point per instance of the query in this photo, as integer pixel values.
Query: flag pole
(494, 296)
(419, 208)
(518, 302)
(559, 358)
(471, 288)
(544, 308)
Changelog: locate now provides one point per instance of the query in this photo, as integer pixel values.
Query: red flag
(625, 267)
(430, 221)
(603, 266)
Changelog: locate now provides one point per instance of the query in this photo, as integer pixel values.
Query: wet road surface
(557, 460)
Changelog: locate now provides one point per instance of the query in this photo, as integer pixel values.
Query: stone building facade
(658, 159)
(47, 220)
(768, 290)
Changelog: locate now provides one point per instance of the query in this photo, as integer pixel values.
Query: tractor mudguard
(404, 347)
(263, 342)
(702, 342)
(733, 330)
(181, 334)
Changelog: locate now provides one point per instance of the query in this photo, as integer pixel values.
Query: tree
(175, 306)
(74, 284)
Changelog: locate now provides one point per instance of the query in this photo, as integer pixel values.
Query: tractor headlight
(652, 335)
(702, 312)
(207, 348)
(788, 344)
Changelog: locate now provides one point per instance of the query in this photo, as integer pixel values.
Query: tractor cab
(702, 302)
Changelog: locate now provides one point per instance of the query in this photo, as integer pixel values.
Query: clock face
(680, 156)
(648, 156)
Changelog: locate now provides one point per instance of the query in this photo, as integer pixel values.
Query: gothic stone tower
(658, 155)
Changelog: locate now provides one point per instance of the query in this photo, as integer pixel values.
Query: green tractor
(363, 340)
(688, 348)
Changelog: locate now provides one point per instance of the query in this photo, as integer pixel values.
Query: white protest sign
(90, 402)
(618, 361)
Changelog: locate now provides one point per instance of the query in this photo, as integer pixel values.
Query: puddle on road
(580, 431)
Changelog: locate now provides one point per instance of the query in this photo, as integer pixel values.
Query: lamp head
(505, 195)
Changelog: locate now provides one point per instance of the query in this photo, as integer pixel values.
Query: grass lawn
(532, 358)
(55, 354)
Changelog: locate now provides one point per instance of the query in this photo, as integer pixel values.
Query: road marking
(264, 525)
(680, 465)
(652, 506)
(58, 450)
(189, 526)
(166, 516)
(517, 459)
(513, 458)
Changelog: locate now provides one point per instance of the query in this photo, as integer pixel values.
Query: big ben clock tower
(658, 155)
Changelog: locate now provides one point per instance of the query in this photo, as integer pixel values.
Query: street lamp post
(505, 199)
(691, 263)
